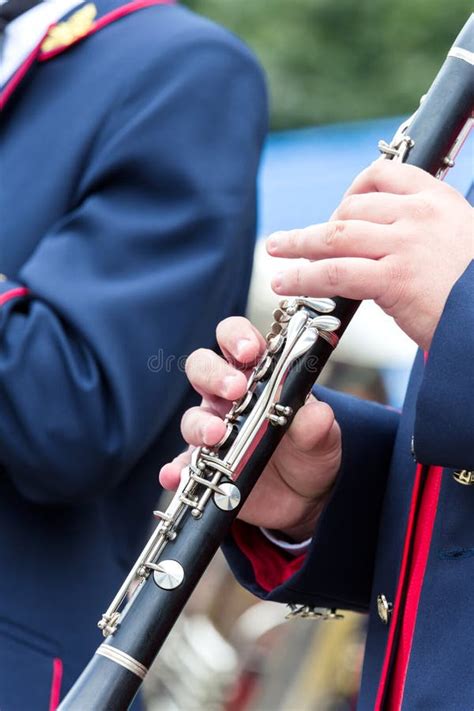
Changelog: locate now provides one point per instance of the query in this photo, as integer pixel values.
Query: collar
(24, 33)
(79, 22)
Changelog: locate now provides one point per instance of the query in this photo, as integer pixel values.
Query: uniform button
(464, 476)
(384, 609)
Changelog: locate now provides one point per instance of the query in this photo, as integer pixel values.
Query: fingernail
(277, 281)
(243, 347)
(275, 239)
(272, 245)
(206, 438)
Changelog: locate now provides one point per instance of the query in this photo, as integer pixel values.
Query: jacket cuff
(445, 406)
(270, 566)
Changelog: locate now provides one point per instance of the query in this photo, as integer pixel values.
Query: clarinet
(218, 481)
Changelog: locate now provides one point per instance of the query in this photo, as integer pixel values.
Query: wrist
(304, 528)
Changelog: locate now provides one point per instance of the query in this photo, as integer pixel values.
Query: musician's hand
(291, 491)
(399, 237)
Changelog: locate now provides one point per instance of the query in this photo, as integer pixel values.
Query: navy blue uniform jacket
(127, 217)
(357, 550)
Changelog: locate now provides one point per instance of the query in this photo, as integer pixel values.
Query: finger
(352, 277)
(211, 375)
(199, 425)
(338, 238)
(388, 176)
(170, 473)
(239, 340)
(314, 428)
(381, 208)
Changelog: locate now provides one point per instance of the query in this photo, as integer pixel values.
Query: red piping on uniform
(401, 581)
(37, 55)
(103, 21)
(410, 582)
(13, 294)
(56, 684)
(270, 566)
(20, 73)
(421, 549)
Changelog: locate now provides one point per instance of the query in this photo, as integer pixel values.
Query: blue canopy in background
(305, 172)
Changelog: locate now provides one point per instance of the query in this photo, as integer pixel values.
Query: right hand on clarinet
(294, 486)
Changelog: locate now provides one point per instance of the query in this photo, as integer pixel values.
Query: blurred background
(337, 60)
(341, 75)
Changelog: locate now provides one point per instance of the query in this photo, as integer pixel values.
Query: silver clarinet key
(168, 574)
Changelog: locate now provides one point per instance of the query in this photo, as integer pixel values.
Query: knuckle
(346, 208)
(379, 168)
(333, 233)
(334, 273)
(293, 239)
(395, 271)
(396, 279)
(298, 279)
(423, 206)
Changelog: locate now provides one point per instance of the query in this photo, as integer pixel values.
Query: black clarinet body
(217, 482)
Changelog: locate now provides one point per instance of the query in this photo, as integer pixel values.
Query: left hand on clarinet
(399, 237)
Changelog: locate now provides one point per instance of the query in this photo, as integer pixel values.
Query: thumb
(314, 428)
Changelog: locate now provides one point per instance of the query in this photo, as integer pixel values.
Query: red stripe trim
(421, 549)
(270, 565)
(103, 21)
(13, 294)
(401, 584)
(416, 548)
(56, 684)
(20, 73)
(37, 55)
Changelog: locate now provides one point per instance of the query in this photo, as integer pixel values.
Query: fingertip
(272, 244)
(311, 426)
(169, 476)
(247, 349)
(238, 339)
(325, 415)
(234, 386)
(277, 283)
(213, 432)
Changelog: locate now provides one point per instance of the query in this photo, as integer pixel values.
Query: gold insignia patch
(65, 33)
(464, 476)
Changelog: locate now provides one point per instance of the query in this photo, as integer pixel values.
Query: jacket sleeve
(444, 424)
(155, 250)
(337, 569)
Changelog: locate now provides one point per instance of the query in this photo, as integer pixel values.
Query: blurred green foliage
(336, 60)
